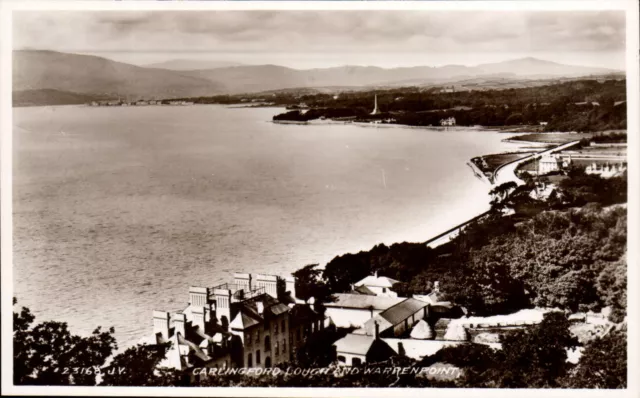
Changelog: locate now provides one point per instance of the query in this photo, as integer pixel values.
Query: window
(356, 362)
(257, 337)
(284, 346)
(384, 290)
(275, 331)
(277, 348)
(283, 325)
(341, 359)
(249, 361)
(258, 357)
(248, 338)
(267, 343)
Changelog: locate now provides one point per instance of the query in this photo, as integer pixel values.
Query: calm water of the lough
(117, 211)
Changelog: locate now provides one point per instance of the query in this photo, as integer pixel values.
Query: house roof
(361, 301)
(402, 310)
(364, 290)
(243, 321)
(354, 344)
(377, 281)
(249, 315)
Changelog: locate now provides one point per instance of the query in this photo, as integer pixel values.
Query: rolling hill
(241, 79)
(191, 64)
(75, 74)
(84, 74)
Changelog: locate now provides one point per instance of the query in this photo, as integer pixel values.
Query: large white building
(553, 162)
(376, 285)
(450, 121)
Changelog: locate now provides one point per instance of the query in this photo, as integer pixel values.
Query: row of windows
(258, 358)
(354, 361)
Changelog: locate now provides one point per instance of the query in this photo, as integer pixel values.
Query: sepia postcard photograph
(290, 199)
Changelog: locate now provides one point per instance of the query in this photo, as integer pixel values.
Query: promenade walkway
(507, 171)
(504, 173)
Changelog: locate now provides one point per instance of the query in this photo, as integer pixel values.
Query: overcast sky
(310, 39)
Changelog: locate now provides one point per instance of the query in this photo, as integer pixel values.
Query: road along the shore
(504, 173)
(507, 172)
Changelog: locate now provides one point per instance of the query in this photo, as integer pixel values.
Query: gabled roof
(249, 315)
(243, 321)
(383, 324)
(402, 311)
(354, 344)
(361, 301)
(377, 281)
(364, 290)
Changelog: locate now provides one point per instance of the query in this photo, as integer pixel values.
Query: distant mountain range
(192, 64)
(57, 75)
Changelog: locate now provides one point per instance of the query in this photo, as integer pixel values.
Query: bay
(117, 211)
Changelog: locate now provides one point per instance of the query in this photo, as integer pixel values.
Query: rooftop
(354, 344)
(361, 301)
(402, 311)
(377, 281)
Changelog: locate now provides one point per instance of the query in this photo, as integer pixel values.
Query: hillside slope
(83, 74)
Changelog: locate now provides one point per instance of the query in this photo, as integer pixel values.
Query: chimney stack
(198, 296)
(290, 285)
(179, 321)
(375, 274)
(223, 305)
(199, 318)
(377, 330)
(161, 323)
(436, 287)
(260, 306)
(243, 281)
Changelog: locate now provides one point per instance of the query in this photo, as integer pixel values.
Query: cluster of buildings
(606, 170)
(259, 322)
(450, 121)
(383, 324)
(137, 103)
(256, 321)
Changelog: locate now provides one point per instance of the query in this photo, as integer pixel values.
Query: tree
(603, 363)
(537, 357)
(500, 192)
(309, 283)
(344, 270)
(138, 366)
(48, 354)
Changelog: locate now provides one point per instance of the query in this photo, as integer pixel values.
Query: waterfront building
(356, 349)
(396, 320)
(378, 285)
(607, 170)
(553, 162)
(450, 121)
(256, 321)
(352, 310)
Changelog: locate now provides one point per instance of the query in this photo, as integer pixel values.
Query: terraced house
(242, 324)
